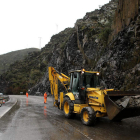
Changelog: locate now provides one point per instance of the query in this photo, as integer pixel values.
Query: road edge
(10, 109)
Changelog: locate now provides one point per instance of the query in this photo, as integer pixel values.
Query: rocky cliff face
(98, 41)
(126, 12)
(101, 41)
(83, 47)
(120, 63)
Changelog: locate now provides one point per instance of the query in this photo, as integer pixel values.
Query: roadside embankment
(8, 106)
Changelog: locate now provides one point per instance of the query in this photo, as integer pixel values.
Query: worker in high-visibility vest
(27, 94)
(45, 97)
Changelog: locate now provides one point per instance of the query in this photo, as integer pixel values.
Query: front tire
(88, 116)
(68, 108)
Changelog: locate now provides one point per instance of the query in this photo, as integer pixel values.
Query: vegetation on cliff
(9, 58)
(23, 74)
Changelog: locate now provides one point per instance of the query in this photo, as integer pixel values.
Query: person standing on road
(27, 94)
(45, 98)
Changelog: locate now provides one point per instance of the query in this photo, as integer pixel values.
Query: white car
(1, 94)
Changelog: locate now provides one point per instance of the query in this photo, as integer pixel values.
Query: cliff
(126, 12)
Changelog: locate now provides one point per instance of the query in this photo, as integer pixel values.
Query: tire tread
(92, 116)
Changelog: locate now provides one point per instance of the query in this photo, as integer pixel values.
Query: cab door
(75, 86)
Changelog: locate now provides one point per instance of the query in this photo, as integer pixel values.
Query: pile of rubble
(129, 101)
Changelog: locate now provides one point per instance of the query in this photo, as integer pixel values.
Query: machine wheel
(88, 116)
(0, 105)
(68, 108)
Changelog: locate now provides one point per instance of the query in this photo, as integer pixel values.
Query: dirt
(129, 101)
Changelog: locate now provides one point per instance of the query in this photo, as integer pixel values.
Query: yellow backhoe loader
(86, 97)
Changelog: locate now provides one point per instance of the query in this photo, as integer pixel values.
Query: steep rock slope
(83, 47)
(96, 44)
(120, 64)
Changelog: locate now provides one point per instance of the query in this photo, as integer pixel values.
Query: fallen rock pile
(129, 101)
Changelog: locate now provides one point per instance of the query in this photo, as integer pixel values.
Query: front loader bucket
(114, 111)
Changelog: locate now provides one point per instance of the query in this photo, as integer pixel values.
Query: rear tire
(68, 108)
(88, 116)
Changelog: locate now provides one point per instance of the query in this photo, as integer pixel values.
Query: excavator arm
(54, 76)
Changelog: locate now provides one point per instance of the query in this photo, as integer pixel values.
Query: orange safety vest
(45, 95)
(27, 94)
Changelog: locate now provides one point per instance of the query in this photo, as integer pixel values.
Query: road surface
(34, 120)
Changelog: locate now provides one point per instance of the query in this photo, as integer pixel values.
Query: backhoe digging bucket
(116, 112)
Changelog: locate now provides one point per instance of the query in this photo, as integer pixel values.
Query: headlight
(82, 71)
(98, 73)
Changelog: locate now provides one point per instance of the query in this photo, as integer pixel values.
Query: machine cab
(80, 80)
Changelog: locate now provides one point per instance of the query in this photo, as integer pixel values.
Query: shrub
(104, 35)
(105, 32)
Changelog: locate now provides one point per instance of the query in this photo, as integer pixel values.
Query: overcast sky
(23, 22)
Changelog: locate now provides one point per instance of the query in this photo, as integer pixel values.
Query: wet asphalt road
(34, 120)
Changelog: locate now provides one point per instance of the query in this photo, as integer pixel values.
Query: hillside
(106, 39)
(11, 57)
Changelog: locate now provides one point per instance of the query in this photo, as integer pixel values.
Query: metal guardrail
(5, 97)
